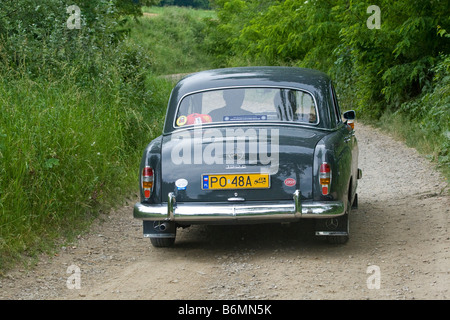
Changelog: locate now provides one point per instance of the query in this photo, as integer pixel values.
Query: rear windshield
(247, 104)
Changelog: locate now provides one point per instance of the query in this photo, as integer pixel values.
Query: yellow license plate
(235, 181)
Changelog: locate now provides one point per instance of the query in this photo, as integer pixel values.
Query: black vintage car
(250, 145)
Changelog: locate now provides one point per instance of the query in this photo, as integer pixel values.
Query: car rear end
(227, 159)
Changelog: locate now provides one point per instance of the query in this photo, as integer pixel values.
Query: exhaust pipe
(159, 229)
(163, 226)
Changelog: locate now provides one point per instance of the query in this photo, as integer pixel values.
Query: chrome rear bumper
(205, 212)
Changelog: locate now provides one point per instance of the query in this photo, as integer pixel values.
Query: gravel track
(400, 230)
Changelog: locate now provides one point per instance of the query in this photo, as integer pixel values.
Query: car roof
(302, 78)
(316, 82)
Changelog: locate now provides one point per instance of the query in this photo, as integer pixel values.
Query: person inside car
(233, 105)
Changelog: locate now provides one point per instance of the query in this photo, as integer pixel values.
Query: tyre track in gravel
(401, 227)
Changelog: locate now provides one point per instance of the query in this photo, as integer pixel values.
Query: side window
(336, 106)
(305, 110)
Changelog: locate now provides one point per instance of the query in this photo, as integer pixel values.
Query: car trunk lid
(238, 163)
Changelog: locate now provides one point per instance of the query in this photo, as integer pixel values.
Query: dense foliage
(401, 68)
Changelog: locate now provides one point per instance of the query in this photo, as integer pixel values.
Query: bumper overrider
(211, 212)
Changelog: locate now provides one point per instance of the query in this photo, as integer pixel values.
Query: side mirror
(350, 115)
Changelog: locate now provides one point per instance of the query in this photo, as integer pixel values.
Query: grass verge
(68, 152)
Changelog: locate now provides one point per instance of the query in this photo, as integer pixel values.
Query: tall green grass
(66, 152)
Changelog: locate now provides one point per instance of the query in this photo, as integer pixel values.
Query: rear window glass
(247, 104)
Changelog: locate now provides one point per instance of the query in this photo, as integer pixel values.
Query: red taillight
(147, 172)
(325, 177)
(147, 181)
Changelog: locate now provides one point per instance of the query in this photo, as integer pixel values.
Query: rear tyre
(161, 233)
(162, 242)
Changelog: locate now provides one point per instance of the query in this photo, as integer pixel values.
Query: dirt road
(399, 249)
